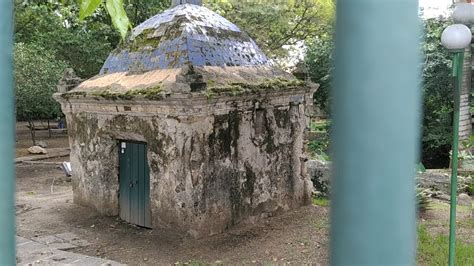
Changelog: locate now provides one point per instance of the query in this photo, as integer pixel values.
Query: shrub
(422, 199)
(319, 146)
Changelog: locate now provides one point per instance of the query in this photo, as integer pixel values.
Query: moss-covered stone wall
(208, 172)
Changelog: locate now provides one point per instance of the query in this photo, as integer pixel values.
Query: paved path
(50, 251)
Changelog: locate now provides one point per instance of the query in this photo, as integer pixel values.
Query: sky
(434, 8)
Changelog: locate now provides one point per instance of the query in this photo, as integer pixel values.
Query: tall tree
(56, 27)
(274, 24)
(37, 73)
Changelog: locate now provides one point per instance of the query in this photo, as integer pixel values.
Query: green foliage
(422, 199)
(423, 195)
(87, 8)
(37, 73)
(276, 23)
(471, 190)
(320, 126)
(319, 63)
(322, 202)
(84, 45)
(438, 95)
(319, 146)
(433, 250)
(116, 10)
(124, 14)
(468, 143)
(118, 15)
(141, 10)
(273, 24)
(79, 33)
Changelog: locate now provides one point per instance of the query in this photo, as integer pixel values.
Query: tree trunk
(32, 131)
(49, 129)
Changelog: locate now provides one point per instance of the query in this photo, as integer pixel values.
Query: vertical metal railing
(7, 137)
(376, 114)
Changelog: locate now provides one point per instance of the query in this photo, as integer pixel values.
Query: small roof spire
(182, 2)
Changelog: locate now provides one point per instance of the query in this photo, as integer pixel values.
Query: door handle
(133, 183)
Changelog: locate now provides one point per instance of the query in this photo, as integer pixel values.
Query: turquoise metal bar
(458, 59)
(7, 140)
(376, 117)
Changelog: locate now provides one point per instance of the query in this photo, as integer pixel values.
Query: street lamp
(455, 38)
(464, 13)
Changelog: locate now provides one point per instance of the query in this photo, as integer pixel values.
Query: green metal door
(134, 184)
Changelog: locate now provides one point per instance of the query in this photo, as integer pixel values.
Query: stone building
(189, 126)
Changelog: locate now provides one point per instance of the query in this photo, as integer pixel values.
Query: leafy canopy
(84, 45)
(275, 24)
(319, 62)
(37, 73)
(438, 96)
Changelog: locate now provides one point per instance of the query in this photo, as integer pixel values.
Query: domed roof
(187, 34)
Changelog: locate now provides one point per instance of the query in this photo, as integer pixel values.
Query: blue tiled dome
(186, 34)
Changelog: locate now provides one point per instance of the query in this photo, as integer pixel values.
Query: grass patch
(433, 250)
(469, 223)
(321, 202)
(444, 206)
(321, 224)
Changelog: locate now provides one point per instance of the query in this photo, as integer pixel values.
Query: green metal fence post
(458, 59)
(7, 140)
(376, 116)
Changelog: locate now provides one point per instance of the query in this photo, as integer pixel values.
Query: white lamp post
(456, 38)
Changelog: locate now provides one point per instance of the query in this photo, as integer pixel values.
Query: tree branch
(279, 43)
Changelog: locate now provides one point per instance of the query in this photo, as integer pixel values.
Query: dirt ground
(436, 221)
(45, 207)
(296, 237)
(23, 138)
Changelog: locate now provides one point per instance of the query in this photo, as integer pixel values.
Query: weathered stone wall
(213, 163)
